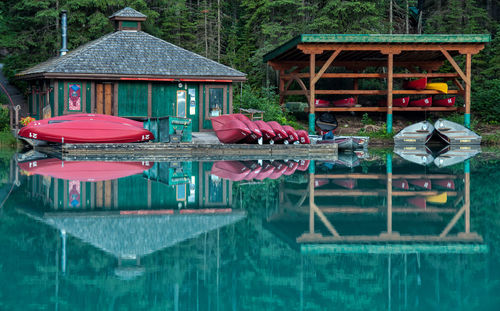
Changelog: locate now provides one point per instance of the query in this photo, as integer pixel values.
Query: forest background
(239, 32)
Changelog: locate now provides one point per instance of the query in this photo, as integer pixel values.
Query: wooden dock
(189, 151)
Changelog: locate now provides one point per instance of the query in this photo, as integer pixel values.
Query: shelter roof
(290, 51)
(131, 54)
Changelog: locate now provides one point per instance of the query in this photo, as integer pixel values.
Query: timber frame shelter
(420, 55)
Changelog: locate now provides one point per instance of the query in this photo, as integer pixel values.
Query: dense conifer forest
(239, 32)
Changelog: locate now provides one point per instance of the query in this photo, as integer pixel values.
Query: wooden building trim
(92, 97)
(230, 94)
(150, 99)
(201, 106)
(109, 76)
(56, 98)
(115, 99)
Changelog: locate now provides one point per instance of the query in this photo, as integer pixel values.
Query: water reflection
(358, 232)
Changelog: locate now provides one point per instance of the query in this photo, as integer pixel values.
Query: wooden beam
(363, 64)
(368, 109)
(341, 92)
(472, 237)
(326, 65)
(352, 175)
(311, 203)
(454, 64)
(453, 221)
(325, 220)
(312, 85)
(468, 61)
(425, 92)
(384, 109)
(458, 84)
(318, 48)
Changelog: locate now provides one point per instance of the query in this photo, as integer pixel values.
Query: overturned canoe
(86, 131)
(437, 199)
(415, 134)
(445, 102)
(346, 102)
(232, 170)
(455, 134)
(86, 116)
(229, 129)
(321, 103)
(303, 137)
(281, 134)
(424, 102)
(256, 132)
(267, 132)
(418, 84)
(438, 86)
(292, 134)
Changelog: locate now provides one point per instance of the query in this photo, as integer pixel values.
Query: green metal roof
(377, 38)
(393, 248)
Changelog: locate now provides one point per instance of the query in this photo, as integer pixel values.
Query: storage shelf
(384, 109)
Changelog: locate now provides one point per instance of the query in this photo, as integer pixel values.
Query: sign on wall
(192, 101)
(75, 97)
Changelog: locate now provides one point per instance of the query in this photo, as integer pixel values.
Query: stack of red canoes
(420, 84)
(238, 128)
(258, 170)
(86, 128)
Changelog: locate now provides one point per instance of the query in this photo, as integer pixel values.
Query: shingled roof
(128, 12)
(126, 53)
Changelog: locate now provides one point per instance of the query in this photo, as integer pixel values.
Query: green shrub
(264, 99)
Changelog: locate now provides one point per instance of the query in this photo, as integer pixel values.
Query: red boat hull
(421, 183)
(345, 183)
(419, 202)
(86, 116)
(256, 133)
(232, 170)
(321, 103)
(292, 134)
(279, 169)
(418, 84)
(400, 184)
(280, 132)
(447, 102)
(319, 182)
(87, 131)
(303, 165)
(254, 167)
(425, 102)
(346, 102)
(266, 171)
(229, 129)
(444, 183)
(84, 170)
(291, 168)
(267, 131)
(303, 137)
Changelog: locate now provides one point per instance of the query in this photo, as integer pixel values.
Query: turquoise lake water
(364, 232)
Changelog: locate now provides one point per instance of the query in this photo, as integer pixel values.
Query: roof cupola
(128, 19)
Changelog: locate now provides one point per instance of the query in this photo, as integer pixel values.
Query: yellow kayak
(442, 87)
(438, 198)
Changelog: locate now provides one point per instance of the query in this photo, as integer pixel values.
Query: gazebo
(401, 56)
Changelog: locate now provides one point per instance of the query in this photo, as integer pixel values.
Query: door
(215, 103)
(104, 98)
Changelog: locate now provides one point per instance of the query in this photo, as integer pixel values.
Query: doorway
(104, 98)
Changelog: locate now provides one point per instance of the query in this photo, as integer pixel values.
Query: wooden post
(312, 91)
(311, 203)
(282, 87)
(389, 193)
(468, 61)
(390, 64)
(467, 195)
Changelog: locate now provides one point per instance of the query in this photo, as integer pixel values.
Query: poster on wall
(192, 101)
(75, 98)
(47, 112)
(74, 193)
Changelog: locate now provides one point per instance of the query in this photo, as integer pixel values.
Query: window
(181, 104)
(215, 101)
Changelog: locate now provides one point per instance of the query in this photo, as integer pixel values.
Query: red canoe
(229, 130)
(421, 183)
(444, 183)
(418, 84)
(254, 167)
(424, 102)
(280, 132)
(303, 165)
(232, 170)
(279, 169)
(86, 116)
(419, 202)
(87, 131)
(291, 168)
(256, 133)
(292, 134)
(446, 102)
(400, 184)
(396, 102)
(319, 182)
(84, 170)
(345, 183)
(267, 131)
(321, 103)
(266, 171)
(303, 137)
(346, 102)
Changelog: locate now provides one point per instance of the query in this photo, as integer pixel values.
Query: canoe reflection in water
(258, 169)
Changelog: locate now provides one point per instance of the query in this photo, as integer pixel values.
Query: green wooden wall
(133, 99)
